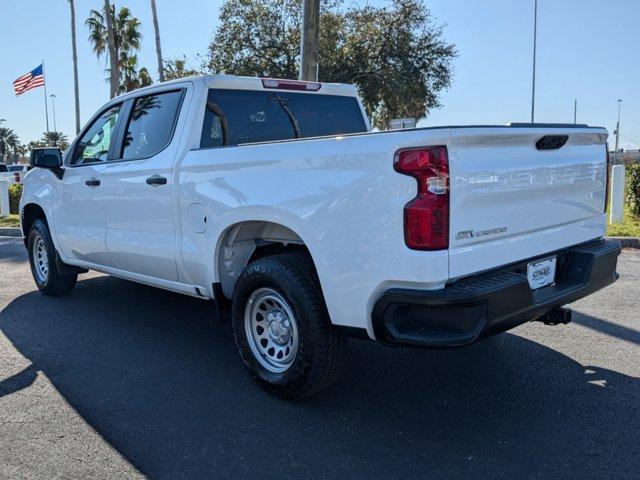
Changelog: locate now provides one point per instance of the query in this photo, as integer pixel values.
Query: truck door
(78, 213)
(138, 186)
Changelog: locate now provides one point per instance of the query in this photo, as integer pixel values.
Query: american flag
(33, 79)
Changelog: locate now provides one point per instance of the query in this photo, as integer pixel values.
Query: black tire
(52, 282)
(321, 349)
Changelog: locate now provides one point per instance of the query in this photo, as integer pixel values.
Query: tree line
(12, 149)
(395, 54)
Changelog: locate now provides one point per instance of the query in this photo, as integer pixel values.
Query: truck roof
(254, 83)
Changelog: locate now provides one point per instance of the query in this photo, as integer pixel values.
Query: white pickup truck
(274, 199)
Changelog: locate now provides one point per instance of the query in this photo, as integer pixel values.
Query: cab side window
(151, 125)
(93, 147)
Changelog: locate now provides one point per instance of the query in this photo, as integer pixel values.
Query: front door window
(93, 147)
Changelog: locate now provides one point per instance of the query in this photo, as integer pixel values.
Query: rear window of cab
(234, 117)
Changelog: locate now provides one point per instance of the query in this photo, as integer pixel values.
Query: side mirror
(46, 158)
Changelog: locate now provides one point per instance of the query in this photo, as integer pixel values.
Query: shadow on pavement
(162, 383)
(612, 329)
(20, 380)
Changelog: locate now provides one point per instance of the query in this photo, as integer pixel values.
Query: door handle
(156, 180)
(93, 182)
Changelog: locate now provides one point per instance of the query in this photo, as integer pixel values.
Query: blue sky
(586, 51)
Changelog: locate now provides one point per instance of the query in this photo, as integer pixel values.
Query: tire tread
(57, 284)
(330, 345)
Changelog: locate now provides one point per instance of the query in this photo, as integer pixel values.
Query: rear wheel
(42, 257)
(282, 328)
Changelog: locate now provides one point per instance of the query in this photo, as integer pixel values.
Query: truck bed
(342, 196)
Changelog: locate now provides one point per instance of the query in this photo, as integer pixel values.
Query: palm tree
(10, 142)
(133, 78)
(55, 139)
(21, 150)
(124, 29)
(177, 68)
(75, 63)
(144, 77)
(158, 49)
(15, 145)
(7, 139)
(34, 144)
(114, 71)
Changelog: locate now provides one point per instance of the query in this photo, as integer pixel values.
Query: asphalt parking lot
(124, 381)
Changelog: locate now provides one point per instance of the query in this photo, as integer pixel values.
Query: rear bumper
(472, 308)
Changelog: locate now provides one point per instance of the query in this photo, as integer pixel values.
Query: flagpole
(46, 107)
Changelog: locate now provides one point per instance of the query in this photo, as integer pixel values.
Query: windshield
(15, 168)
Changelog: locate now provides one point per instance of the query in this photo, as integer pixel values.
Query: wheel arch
(29, 213)
(245, 241)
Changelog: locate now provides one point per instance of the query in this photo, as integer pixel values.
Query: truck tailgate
(512, 201)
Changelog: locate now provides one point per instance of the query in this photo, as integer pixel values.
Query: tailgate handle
(552, 142)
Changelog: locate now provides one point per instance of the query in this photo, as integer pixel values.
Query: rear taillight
(426, 217)
(290, 84)
(607, 184)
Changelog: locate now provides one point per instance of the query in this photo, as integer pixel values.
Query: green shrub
(633, 188)
(15, 192)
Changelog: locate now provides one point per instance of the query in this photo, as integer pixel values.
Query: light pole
(618, 130)
(53, 108)
(533, 81)
(575, 111)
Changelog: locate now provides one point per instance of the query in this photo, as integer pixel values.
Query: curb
(627, 242)
(10, 232)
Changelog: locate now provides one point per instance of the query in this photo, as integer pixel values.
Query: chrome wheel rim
(271, 329)
(40, 260)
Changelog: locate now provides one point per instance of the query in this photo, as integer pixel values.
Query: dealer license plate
(541, 273)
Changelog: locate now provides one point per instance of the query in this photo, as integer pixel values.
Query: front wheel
(42, 257)
(282, 327)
